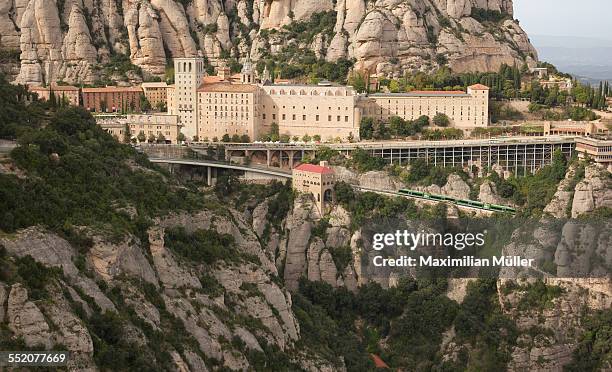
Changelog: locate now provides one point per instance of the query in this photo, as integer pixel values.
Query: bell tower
(247, 75)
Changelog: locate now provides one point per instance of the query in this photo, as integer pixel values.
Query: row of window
(142, 126)
(211, 129)
(304, 117)
(231, 115)
(224, 95)
(187, 66)
(224, 108)
(329, 93)
(307, 182)
(304, 107)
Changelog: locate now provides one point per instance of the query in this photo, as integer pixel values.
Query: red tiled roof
(53, 87)
(379, 363)
(314, 168)
(130, 89)
(227, 87)
(211, 79)
(437, 92)
(479, 87)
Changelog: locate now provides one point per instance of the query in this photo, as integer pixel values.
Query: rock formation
(71, 40)
(593, 192)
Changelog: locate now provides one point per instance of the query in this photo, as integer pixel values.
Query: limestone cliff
(71, 39)
(225, 313)
(238, 302)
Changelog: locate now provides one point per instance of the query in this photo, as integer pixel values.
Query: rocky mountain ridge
(238, 308)
(73, 40)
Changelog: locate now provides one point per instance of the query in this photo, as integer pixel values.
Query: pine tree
(516, 77)
(52, 99)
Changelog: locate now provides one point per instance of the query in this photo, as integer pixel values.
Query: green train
(462, 202)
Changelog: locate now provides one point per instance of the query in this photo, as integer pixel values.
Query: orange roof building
(112, 99)
(478, 87)
(317, 180)
(68, 93)
(464, 109)
(227, 108)
(313, 168)
(227, 87)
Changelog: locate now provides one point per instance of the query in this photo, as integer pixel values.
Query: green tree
(421, 122)
(344, 192)
(225, 138)
(394, 86)
(316, 138)
(306, 138)
(358, 82)
(161, 138)
(52, 99)
(366, 128)
(181, 137)
(441, 120)
(235, 138)
(381, 131)
(419, 169)
(145, 105)
(127, 137)
(397, 126)
(226, 185)
(274, 132)
(141, 137)
(161, 107)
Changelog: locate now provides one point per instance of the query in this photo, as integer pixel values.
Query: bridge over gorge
(518, 155)
(278, 173)
(212, 166)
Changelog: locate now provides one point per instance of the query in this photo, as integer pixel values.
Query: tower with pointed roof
(265, 76)
(247, 75)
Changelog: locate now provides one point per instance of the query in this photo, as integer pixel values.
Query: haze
(584, 18)
(576, 36)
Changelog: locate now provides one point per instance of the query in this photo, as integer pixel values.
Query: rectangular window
(303, 117)
(317, 118)
(328, 117)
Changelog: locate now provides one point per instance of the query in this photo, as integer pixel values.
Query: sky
(579, 18)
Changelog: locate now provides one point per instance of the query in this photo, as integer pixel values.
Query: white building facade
(188, 74)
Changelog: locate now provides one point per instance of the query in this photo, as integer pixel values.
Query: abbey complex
(246, 105)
